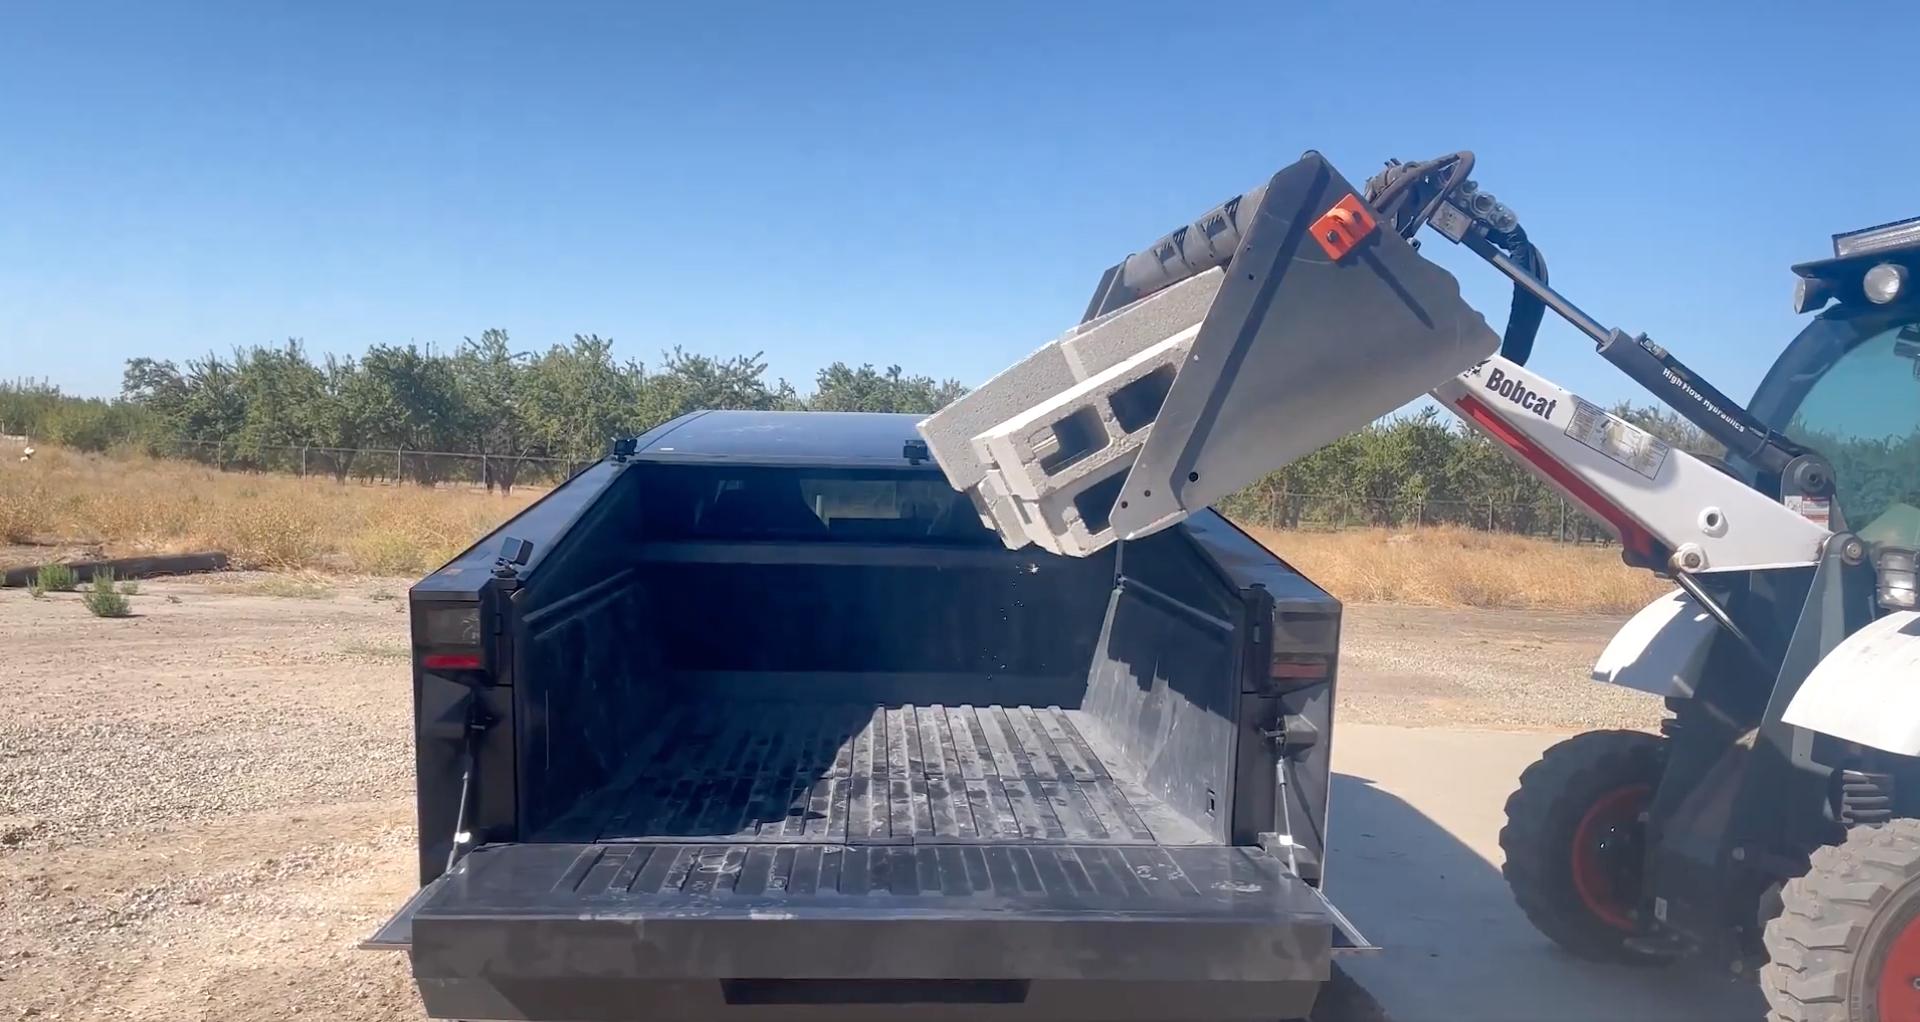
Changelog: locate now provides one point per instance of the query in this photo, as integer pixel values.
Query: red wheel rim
(1898, 996)
(1613, 821)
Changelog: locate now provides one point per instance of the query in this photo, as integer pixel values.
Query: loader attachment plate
(1298, 349)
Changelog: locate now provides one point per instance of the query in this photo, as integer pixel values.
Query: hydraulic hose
(1527, 311)
(1428, 183)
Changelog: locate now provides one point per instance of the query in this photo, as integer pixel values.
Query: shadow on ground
(1454, 946)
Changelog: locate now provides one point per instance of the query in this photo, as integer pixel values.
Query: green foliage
(839, 388)
(53, 578)
(274, 408)
(1874, 473)
(39, 410)
(514, 415)
(103, 600)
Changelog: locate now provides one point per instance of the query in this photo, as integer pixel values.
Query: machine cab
(1848, 385)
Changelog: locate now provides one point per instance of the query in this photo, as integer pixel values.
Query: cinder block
(1124, 332)
(1062, 363)
(999, 512)
(1007, 516)
(1061, 463)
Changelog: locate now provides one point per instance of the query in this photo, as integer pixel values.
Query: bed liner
(859, 773)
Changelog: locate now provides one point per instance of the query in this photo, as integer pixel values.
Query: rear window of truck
(800, 504)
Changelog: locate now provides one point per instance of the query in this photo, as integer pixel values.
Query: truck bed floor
(865, 774)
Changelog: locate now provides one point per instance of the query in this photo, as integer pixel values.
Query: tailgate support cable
(1277, 736)
(478, 721)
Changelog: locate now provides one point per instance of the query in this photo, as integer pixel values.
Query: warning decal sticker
(1617, 438)
(1818, 510)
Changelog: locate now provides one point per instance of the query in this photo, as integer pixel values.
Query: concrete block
(1125, 332)
(1011, 518)
(1082, 352)
(1061, 462)
(999, 512)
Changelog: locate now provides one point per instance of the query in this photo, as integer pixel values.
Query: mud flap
(1323, 321)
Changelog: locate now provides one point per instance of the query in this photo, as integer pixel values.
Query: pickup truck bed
(798, 739)
(876, 775)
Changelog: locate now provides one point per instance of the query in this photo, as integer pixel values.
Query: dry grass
(297, 585)
(1452, 567)
(313, 531)
(139, 505)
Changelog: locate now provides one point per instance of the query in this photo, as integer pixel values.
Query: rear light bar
(451, 661)
(1293, 667)
(448, 636)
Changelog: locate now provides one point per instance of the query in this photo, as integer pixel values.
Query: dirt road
(203, 807)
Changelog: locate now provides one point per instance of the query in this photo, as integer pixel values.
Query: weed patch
(103, 599)
(52, 578)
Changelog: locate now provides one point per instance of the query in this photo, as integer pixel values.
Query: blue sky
(938, 186)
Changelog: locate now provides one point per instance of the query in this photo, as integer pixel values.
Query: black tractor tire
(1846, 944)
(1573, 841)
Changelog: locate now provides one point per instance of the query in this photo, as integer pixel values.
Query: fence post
(1563, 520)
(303, 461)
(1489, 514)
(399, 469)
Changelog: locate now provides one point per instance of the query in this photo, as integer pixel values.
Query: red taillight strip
(1633, 535)
(1298, 669)
(451, 661)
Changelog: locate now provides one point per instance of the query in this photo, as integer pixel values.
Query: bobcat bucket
(1280, 321)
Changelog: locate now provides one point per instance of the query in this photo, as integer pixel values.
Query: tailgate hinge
(1292, 735)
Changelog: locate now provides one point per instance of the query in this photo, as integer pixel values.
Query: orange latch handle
(1342, 228)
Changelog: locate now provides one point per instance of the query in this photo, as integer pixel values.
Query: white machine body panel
(1660, 650)
(1868, 689)
(1626, 477)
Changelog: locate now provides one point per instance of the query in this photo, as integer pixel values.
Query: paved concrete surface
(1415, 864)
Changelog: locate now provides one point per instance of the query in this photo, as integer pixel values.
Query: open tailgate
(549, 931)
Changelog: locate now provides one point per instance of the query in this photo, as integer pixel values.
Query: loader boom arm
(1670, 510)
(1300, 312)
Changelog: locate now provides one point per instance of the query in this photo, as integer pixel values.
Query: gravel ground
(204, 806)
(1490, 669)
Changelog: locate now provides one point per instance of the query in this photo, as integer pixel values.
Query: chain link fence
(380, 466)
(1547, 517)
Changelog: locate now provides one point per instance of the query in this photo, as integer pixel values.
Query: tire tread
(1573, 770)
(1814, 945)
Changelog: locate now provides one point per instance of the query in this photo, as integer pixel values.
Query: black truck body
(755, 718)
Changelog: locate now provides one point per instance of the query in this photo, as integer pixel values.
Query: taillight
(454, 625)
(451, 661)
(1295, 668)
(448, 637)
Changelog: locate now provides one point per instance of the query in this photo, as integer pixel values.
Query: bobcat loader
(1774, 822)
